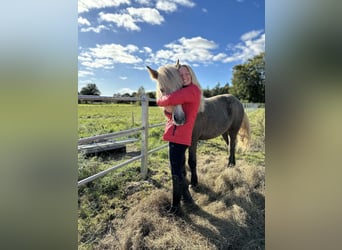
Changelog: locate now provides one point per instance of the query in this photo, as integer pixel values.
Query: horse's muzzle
(178, 119)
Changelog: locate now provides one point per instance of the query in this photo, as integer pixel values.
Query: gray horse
(219, 115)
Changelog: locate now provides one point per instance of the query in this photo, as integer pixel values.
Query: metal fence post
(144, 99)
(144, 135)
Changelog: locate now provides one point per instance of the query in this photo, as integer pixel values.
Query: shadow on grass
(229, 233)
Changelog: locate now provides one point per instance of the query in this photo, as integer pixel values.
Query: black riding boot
(176, 195)
(186, 196)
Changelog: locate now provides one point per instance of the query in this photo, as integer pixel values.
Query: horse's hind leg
(225, 137)
(232, 136)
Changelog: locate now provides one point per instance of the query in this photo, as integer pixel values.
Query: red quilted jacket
(189, 97)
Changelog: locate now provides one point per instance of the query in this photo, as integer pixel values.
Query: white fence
(252, 106)
(144, 135)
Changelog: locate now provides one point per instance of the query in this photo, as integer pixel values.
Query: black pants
(177, 159)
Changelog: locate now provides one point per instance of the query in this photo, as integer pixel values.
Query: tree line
(248, 83)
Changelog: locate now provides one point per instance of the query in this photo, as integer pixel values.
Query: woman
(179, 137)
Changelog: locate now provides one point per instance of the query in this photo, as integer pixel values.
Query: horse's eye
(162, 90)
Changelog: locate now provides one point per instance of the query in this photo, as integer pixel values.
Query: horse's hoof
(193, 184)
(195, 188)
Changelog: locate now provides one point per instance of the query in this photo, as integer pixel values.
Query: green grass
(96, 119)
(120, 210)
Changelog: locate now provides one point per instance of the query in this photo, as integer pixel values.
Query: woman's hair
(195, 81)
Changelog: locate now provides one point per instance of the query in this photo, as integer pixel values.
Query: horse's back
(222, 104)
(221, 113)
(225, 99)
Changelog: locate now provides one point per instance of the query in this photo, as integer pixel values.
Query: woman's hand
(168, 109)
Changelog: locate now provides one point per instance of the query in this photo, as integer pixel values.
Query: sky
(117, 39)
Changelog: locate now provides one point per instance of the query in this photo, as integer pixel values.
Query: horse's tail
(245, 133)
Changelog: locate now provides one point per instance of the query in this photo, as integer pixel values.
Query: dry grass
(229, 211)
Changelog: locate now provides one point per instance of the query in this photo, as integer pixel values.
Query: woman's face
(185, 75)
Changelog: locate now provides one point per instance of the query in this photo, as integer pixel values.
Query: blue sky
(117, 39)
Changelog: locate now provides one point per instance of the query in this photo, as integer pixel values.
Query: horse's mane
(169, 80)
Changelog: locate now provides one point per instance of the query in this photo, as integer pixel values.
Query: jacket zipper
(174, 129)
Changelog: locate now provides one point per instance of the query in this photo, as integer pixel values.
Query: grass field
(122, 211)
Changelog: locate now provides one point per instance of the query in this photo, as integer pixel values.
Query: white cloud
(142, 68)
(250, 35)
(253, 43)
(147, 15)
(121, 20)
(105, 63)
(171, 5)
(86, 5)
(143, 2)
(187, 3)
(201, 50)
(97, 29)
(83, 73)
(83, 21)
(148, 50)
(117, 52)
(166, 6)
(123, 77)
(219, 57)
(164, 54)
(129, 17)
(106, 55)
(197, 42)
(196, 49)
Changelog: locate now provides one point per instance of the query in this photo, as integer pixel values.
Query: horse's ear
(153, 73)
(177, 64)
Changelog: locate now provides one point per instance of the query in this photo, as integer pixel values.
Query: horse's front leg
(192, 164)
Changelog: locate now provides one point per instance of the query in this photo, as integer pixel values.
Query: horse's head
(168, 80)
